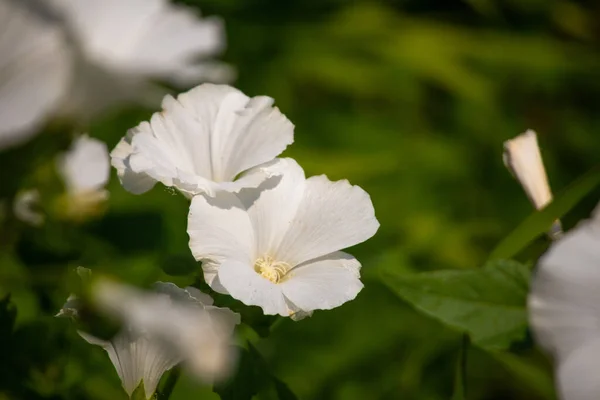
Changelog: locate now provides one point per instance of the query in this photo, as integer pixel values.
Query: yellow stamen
(271, 269)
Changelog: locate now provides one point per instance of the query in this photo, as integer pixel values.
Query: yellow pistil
(271, 269)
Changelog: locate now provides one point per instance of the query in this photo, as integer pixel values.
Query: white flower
(78, 57)
(162, 329)
(564, 309)
(202, 141)
(123, 43)
(34, 69)
(277, 246)
(85, 169)
(523, 159)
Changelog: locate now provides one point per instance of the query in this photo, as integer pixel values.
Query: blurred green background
(411, 100)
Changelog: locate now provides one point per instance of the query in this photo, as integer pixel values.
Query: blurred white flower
(564, 309)
(202, 141)
(277, 246)
(35, 69)
(122, 44)
(85, 169)
(26, 207)
(162, 329)
(78, 57)
(523, 159)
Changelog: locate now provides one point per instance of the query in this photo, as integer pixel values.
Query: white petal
(35, 70)
(134, 355)
(219, 230)
(148, 37)
(249, 136)
(324, 283)
(577, 374)
(564, 303)
(136, 358)
(188, 294)
(330, 217)
(522, 156)
(244, 284)
(136, 183)
(152, 157)
(177, 322)
(206, 137)
(248, 182)
(86, 165)
(273, 205)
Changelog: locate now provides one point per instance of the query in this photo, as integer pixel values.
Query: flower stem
(167, 389)
(276, 324)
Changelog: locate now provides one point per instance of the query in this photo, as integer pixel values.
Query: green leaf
(489, 303)
(540, 221)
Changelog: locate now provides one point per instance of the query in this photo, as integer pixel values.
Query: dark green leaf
(489, 303)
(539, 222)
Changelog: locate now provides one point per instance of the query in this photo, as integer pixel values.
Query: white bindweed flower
(85, 169)
(122, 44)
(523, 159)
(34, 69)
(277, 246)
(202, 141)
(79, 57)
(564, 309)
(160, 330)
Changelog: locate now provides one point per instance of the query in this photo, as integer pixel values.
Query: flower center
(271, 269)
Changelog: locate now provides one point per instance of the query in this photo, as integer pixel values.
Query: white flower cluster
(78, 57)
(265, 234)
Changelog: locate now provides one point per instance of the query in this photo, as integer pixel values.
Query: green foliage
(411, 100)
(541, 221)
(489, 303)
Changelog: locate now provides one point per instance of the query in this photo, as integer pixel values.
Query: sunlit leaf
(489, 303)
